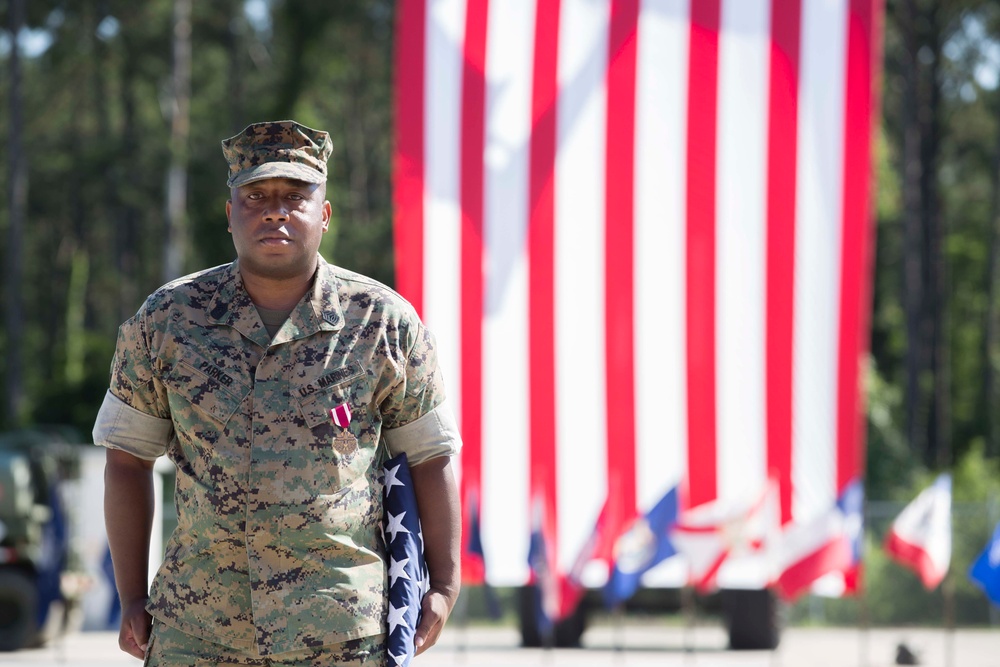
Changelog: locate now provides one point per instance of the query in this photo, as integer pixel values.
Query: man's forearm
(128, 515)
(440, 518)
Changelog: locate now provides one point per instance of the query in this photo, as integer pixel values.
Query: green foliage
(96, 105)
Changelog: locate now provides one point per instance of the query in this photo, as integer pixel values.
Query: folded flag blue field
(405, 552)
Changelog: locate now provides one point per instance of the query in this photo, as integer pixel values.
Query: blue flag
(985, 572)
(642, 546)
(405, 554)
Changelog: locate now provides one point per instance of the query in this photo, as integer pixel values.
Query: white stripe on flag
(660, 353)
(817, 258)
(443, 77)
(741, 247)
(505, 349)
(579, 272)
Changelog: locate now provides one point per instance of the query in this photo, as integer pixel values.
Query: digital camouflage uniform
(278, 542)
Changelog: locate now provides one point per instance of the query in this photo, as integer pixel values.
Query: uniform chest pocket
(345, 390)
(209, 390)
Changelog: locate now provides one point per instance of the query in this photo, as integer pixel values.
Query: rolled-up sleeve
(430, 436)
(135, 416)
(120, 426)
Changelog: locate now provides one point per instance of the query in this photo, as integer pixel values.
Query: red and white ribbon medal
(341, 415)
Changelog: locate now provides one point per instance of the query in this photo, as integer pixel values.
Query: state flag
(830, 543)
(985, 572)
(711, 533)
(920, 537)
(642, 546)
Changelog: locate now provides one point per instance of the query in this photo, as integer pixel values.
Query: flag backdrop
(640, 231)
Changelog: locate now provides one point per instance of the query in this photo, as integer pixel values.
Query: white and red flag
(920, 537)
(713, 532)
(641, 233)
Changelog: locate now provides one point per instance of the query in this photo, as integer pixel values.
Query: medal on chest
(344, 442)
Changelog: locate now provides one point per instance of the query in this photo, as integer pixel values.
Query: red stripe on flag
(619, 284)
(782, 147)
(856, 259)
(471, 244)
(541, 271)
(408, 154)
(700, 271)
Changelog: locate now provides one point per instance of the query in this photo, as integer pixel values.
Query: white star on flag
(397, 617)
(397, 569)
(391, 480)
(395, 525)
(407, 573)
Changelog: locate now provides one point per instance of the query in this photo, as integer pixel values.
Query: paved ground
(627, 646)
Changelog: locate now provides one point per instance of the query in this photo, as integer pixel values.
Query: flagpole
(462, 609)
(864, 626)
(864, 613)
(687, 604)
(949, 621)
(619, 630)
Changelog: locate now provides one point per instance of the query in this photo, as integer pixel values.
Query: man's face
(277, 225)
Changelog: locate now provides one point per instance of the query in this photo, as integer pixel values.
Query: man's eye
(296, 196)
(254, 195)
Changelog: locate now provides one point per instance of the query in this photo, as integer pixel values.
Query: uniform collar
(319, 310)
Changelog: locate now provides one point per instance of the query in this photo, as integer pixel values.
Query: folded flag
(644, 545)
(985, 572)
(920, 537)
(405, 552)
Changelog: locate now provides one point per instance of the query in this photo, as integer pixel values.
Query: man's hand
(440, 518)
(128, 515)
(133, 637)
(434, 611)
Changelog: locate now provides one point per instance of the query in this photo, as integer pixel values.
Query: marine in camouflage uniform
(277, 423)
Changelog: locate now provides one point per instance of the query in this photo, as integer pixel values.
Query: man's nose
(276, 210)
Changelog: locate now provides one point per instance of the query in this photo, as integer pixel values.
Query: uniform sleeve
(435, 434)
(135, 415)
(415, 420)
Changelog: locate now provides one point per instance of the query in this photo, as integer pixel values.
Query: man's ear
(229, 215)
(327, 214)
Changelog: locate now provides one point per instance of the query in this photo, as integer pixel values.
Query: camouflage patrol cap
(277, 149)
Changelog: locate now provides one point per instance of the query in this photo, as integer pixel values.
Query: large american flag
(641, 232)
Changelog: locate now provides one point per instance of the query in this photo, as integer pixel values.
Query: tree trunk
(939, 433)
(913, 234)
(17, 193)
(989, 352)
(177, 242)
(126, 221)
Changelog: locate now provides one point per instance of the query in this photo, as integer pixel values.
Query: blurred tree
(17, 193)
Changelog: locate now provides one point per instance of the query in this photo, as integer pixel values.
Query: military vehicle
(34, 540)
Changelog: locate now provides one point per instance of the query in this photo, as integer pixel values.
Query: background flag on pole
(920, 537)
(985, 572)
(405, 551)
(711, 533)
(643, 545)
(831, 543)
